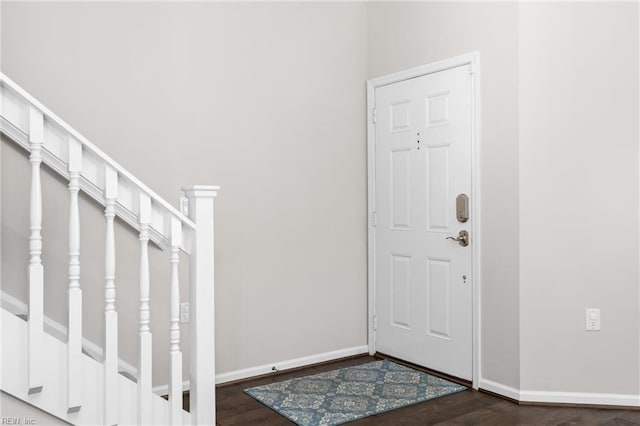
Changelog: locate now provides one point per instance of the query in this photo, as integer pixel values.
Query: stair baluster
(36, 271)
(110, 314)
(145, 412)
(175, 385)
(74, 336)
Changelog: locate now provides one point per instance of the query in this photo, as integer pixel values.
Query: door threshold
(435, 373)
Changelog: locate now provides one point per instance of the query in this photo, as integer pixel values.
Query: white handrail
(94, 149)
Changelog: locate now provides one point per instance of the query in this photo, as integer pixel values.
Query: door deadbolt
(462, 239)
(462, 208)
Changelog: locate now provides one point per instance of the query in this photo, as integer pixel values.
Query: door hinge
(375, 322)
(373, 116)
(374, 219)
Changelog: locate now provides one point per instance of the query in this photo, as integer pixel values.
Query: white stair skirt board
(52, 398)
(59, 331)
(14, 408)
(550, 397)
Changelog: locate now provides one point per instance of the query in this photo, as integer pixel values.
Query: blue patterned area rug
(351, 393)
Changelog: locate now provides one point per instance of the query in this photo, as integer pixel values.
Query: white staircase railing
(50, 140)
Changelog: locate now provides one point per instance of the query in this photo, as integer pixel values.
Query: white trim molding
(638, 177)
(289, 364)
(554, 397)
(250, 372)
(473, 60)
(550, 397)
(499, 389)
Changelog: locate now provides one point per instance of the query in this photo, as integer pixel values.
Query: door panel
(423, 162)
(401, 292)
(400, 191)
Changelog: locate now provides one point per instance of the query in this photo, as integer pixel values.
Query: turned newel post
(201, 301)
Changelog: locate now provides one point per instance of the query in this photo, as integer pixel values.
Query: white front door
(423, 281)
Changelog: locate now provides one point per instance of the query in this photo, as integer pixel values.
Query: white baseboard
(59, 331)
(246, 373)
(500, 389)
(550, 397)
(292, 363)
(580, 398)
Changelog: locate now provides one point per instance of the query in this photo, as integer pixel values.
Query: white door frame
(473, 60)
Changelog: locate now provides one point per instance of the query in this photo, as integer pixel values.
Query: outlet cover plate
(592, 318)
(184, 313)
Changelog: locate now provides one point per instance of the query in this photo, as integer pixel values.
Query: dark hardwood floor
(234, 407)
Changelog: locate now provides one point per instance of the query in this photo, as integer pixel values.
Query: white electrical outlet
(592, 316)
(184, 312)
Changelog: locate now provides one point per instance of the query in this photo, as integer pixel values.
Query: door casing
(473, 60)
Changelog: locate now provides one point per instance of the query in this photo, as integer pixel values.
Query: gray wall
(579, 196)
(404, 35)
(266, 100)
